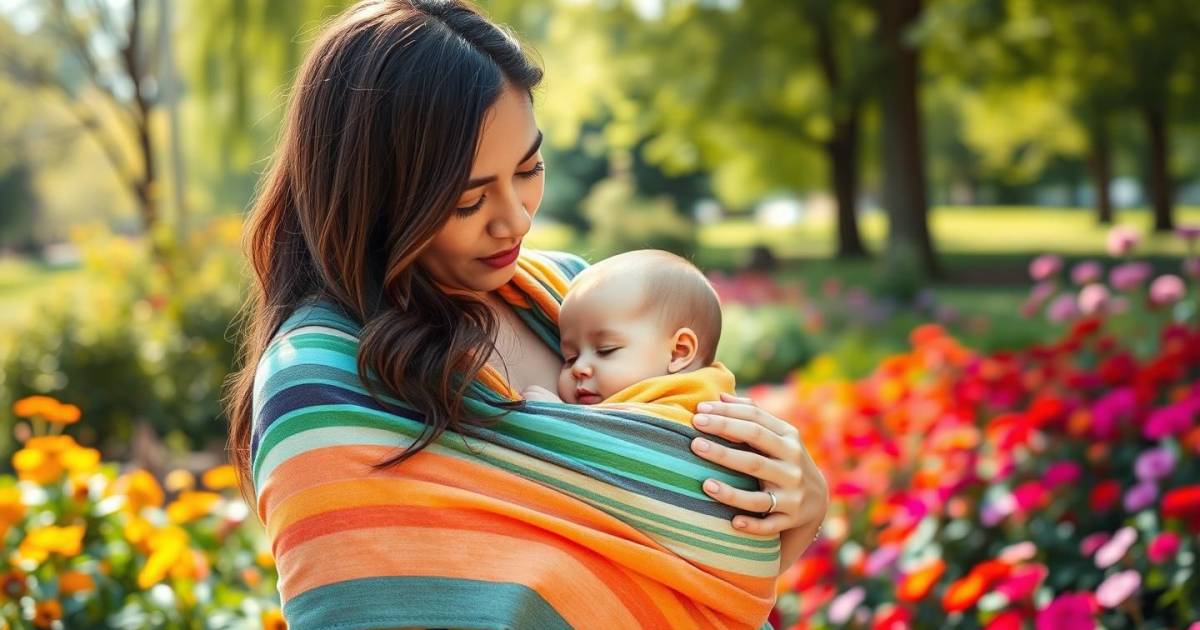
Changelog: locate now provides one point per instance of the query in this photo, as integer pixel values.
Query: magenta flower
(1045, 266)
(1116, 547)
(1062, 472)
(1086, 271)
(1092, 542)
(1110, 409)
(1140, 496)
(1117, 588)
(1069, 611)
(1092, 298)
(1022, 581)
(1163, 547)
(1129, 276)
(1121, 240)
(1062, 309)
(1188, 233)
(1167, 289)
(1172, 419)
(1154, 464)
(1191, 267)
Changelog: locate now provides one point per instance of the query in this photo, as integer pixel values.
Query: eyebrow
(480, 181)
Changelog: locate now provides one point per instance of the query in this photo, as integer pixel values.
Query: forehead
(605, 304)
(509, 128)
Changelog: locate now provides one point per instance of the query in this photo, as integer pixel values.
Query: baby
(632, 317)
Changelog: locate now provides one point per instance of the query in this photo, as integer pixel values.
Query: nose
(580, 370)
(512, 220)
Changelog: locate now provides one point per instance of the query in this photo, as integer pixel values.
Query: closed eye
(530, 174)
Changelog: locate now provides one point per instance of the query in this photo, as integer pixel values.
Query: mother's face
(497, 209)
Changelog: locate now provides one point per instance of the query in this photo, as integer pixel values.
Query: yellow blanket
(675, 396)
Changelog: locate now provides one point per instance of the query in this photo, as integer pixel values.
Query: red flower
(1007, 620)
(1104, 495)
(1184, 504)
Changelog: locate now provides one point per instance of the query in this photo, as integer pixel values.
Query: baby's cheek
(566, 387)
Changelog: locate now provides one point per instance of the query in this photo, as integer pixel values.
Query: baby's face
(607, 346)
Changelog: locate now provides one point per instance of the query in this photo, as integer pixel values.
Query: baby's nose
(581, 370)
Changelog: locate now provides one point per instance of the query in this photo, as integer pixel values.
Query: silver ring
(773, 502)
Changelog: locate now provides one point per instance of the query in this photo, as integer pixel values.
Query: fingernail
(700, 420)
(704, 407)
(711, 486)
(701, 444)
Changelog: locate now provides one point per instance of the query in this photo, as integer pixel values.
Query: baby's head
(633, 316)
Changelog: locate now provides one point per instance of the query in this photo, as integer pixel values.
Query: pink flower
(1108, 412)
(1116, 547)
(1086, 271)
(1069, 611)
(1154, 464)
(1045, 266)
(1062, 472)
(1117, 588)
(1163, 547)
(843, 605)
(1018, 552)
(1167, 289)
(1140, 496)
(881, 559)
(1030, 495)
(1062, 309)
(1092, 298)
(1022, 581)
(1130, 275)
(1121, 240)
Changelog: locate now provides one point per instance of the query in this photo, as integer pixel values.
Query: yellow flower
(273, 620)
(220, 478)
(80, 460)
(167, 548)
(137, 531)
(180, 479)
(71, 582)
(141, 490)
(265, 559)
(40, 542)
(191, 505)
(37, 466)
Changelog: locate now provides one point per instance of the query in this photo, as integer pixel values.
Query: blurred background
(954, 240)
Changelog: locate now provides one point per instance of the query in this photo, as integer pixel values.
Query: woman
(390, 294)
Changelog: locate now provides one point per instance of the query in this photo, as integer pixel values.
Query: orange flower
(12, 510)
(71, 582)
(47, 408)
(12, 585)
(220, 478)
(964, 592)
(46, 613)
(273, 620)
(191, 505)
(141, 490)
(265, 559)
(36, 465)
(916, 585)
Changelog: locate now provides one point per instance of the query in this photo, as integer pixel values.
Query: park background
(954, 240)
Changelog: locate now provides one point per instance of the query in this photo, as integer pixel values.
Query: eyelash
(599, 352)
(530, 174)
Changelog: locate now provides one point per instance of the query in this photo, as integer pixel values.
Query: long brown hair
(380, 134)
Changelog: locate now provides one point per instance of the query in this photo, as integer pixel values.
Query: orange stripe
(633, 597)
(553, 511)
(576, 594)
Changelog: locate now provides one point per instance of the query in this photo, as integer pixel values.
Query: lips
(503, 258)
(587, 397)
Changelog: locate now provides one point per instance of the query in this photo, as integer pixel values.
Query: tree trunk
(1159, 186)
(1100, 163)
(904, 194)
(843, 160)
(842, 148)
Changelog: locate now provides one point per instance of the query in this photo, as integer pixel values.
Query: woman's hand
(784, 467)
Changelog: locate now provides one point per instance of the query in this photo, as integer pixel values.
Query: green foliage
(622, 221)
(762, 343)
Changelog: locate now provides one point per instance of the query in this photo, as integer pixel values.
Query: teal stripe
(423, 602)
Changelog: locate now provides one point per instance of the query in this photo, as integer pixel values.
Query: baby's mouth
(587, 397)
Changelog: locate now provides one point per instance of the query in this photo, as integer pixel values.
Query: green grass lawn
(22, 281)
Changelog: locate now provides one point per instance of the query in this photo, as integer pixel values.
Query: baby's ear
(684, 346)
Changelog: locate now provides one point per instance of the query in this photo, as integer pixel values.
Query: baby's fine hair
(673, 287)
